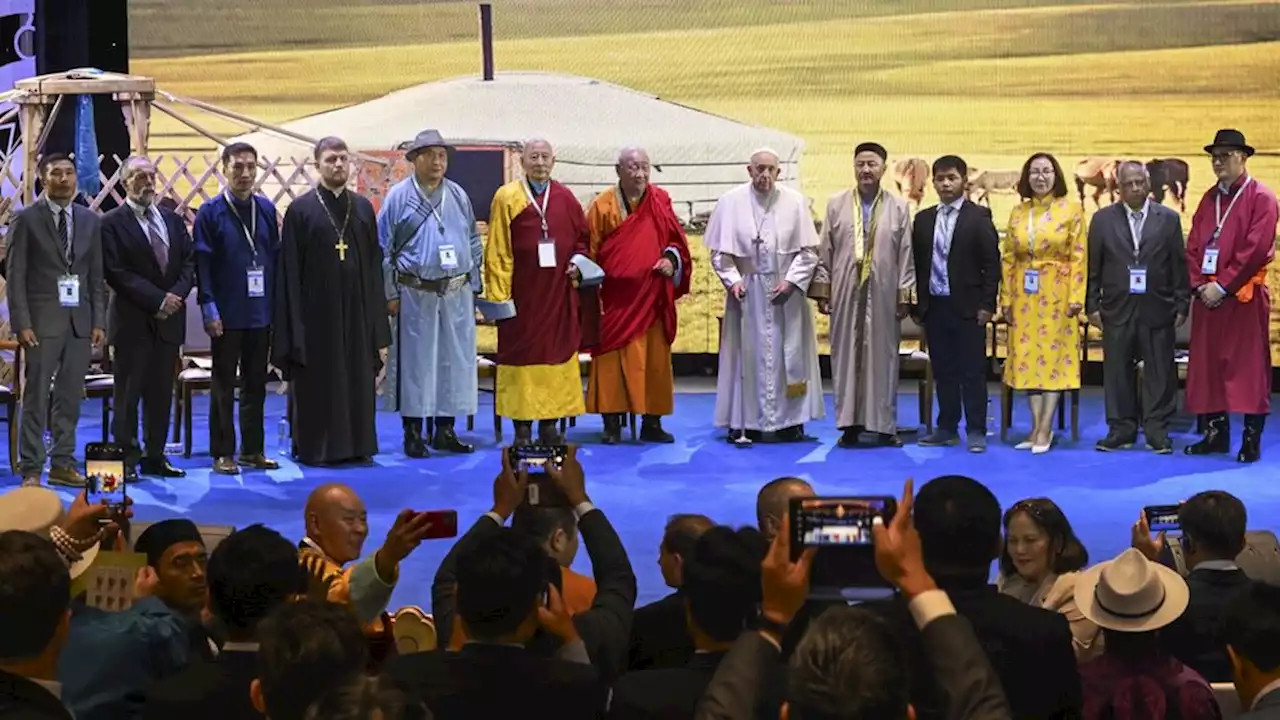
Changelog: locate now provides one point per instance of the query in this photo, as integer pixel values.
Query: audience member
(557, 529)
(112, 659)
(659, 633)
(1039, 565)
(503, 598)
(1213, 527)
(251, 573)
(773, 502)
(305, 650)
(605, 628)
(958, 520)
(363, 698)
(849, 665)
(824, 668)
(35, 614)
(720, 593)
(1251, 630)
(1131, 598)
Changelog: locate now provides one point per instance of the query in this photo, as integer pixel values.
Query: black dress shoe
(1160, 445)
(612, 429)
(1113, 442)
(849, 438)
(888, 440)
(160, 467)
(446, 440)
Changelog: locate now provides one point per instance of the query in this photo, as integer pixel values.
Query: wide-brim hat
(1131, 594)
(1232, 139)
(426, 139)
(37, 510)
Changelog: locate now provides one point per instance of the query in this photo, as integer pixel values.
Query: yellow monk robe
(538, 373)
(638, 311)
(359, 587)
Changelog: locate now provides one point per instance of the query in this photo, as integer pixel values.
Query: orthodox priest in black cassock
(330, 323)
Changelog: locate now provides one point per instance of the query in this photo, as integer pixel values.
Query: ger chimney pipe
(486, 39)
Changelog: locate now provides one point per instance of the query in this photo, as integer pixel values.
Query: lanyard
(1217, 209)
(1032, 225)
(437, 211)
(1137, 220)
(542, 211)
(249, 235)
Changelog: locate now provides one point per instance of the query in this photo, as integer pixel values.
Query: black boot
(446, 440)
(1251, 447)
(651, 431)
(612, 429)
(414, 445)
(524, 432)
(1217, 437)
(849, 436)
(548, 434)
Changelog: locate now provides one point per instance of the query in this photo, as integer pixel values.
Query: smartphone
(105, 471)
(1162, 517)
(444, 524)
(841, 528)
(534, 460)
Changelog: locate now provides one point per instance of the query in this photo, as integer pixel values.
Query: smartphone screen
(822, 522)
(1162, 517)
(105, 471)
(534, 459)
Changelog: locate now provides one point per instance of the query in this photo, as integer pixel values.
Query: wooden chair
(194, 372)
(11, 396)
(1073, 396)
(913, 354)
(101, 386)
(414, 630)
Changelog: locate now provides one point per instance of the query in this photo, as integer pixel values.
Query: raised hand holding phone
(899, 555)
(784, 581)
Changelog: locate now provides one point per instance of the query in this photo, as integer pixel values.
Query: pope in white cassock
(764, 248)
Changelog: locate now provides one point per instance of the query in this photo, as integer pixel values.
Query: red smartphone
(444, 524)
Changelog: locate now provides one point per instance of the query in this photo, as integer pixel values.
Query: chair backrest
(198, 341)
(911, 330)
(1228, 701)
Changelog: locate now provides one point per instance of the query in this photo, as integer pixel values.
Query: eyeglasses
(1041, 173)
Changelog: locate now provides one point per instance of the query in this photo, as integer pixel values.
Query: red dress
(1229, 369)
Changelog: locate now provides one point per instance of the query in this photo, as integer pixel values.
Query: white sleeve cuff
(929, 606)
(496, 518)
(582, 509)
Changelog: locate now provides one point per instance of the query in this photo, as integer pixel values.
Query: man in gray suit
(57, 308)
(1251, 630)
(1138, 293)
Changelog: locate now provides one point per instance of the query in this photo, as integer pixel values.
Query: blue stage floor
(640, 485)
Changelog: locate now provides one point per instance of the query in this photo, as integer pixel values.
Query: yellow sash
(861, 237)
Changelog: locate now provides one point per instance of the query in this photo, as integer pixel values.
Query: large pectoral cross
(341, 247)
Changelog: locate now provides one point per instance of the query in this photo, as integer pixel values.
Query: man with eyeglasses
(1232, 242)
(237, 240)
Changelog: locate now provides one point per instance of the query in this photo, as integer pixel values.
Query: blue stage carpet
(640, 485)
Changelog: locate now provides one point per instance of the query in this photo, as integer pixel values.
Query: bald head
(773, 501)
(336, 520)
(537, 158)
(633, 172)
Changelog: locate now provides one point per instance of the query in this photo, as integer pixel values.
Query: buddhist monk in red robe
(638, 242)
(1232, 242)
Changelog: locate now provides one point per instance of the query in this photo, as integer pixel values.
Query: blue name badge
(1137, 280)
(257, 283)
(1031, 282)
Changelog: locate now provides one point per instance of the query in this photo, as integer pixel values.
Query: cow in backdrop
(1171, 174)
(1098, 173)
(982, 183)
(910, 175)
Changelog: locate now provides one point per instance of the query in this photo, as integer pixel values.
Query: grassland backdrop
(991, 80)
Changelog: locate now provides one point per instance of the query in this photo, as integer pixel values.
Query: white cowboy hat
(36, 510)
(1131, 594)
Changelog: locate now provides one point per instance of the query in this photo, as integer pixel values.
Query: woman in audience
(1039, 564)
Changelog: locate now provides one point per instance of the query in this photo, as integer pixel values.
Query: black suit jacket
(22, 699)
(973, 264)
(664, 693)
(1195, 637)
(133, 273)
(605, 628)
(1028, 647)
(1162, 252)
(660, 636)
(216, 690)
(497, 681)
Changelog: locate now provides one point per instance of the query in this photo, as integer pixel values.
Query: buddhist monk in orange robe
(638, 242)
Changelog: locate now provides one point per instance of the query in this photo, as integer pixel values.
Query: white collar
(55, 207)
(1265, 691)
(1143, 211)
(1221, 565)
(140, 210)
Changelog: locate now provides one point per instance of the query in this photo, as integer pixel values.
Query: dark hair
(959, 524)
(1024, 180)
(682, 533)
(250, 573)
(1215, 521)
(236, 148)
(722, 580)
(47, 161)
(331, 142)
(1251, 625)
(35, 592)
(357, 699)
(849, 665)
(540, 523)
(1067, 552)
(501, 579)
(305, 648)
(951, 162)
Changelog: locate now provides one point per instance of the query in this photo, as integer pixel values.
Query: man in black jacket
(149, 261)
(659, 634)
(35, 614)
(251, 572)
(1029, 647)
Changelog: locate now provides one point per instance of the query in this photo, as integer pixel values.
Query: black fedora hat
(1232, 139)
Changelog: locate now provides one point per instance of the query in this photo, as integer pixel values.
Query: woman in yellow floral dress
(1045, 263)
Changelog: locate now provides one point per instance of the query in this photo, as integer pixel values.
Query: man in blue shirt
(237, 239)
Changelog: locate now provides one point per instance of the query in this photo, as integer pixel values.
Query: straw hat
(1131, 594)
(37, 510)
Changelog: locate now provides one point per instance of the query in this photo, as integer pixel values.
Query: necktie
(941, 248)
(1135, 223)
(64, 233)
(157, 243)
